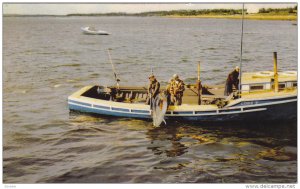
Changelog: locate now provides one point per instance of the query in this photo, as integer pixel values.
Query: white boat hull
(87, 31)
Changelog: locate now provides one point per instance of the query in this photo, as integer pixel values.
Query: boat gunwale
(171, 113)
(133, 109)
(78, 95)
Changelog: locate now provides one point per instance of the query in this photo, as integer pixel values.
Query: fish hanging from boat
(159, 106)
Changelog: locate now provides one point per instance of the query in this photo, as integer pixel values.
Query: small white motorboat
(92, 31)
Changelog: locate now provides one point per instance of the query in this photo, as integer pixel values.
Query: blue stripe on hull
(107, 112)
(251, 102)
(272, 112)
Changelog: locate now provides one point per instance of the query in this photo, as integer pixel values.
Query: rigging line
(114, 70)
(151, 67)
(112, 65)
(241, 54)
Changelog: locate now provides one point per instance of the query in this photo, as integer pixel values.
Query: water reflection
(269, 141)
(276, 141)
(166, 140)
(194, 152)
(233, 152)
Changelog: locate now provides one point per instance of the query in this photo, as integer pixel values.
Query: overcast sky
(62, 9)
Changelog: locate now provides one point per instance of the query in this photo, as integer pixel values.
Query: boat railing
(268, 86)
(129, 94)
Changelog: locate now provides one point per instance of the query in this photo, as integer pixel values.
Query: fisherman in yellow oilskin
(153, 88)
(232, 80)
(176, 89)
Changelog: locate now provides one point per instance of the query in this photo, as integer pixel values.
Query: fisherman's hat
(151, 76)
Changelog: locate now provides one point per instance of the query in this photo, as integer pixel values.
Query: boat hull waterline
(264, 109)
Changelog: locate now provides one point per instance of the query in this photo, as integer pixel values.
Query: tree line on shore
(291, 10)
(204, 12)
(170, 13)
(278, 11)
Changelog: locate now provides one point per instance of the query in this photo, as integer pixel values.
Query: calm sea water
(45, 59)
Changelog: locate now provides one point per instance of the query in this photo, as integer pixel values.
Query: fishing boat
(92, 31)
(263, 96)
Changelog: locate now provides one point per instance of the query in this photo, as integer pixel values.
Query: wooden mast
(199, 87)
(276, 85)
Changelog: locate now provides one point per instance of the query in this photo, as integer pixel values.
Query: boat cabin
(264, 81)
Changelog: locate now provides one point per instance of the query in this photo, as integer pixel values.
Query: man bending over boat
(176, 89)
(153, 88)
(232, 80)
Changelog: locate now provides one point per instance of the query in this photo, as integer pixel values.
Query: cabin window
(256, 87)
(281, 86)
(294, 84)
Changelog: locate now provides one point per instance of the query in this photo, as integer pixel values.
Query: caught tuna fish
(159, 108)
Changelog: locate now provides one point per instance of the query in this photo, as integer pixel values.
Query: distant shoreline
(248, 16)
(289, 13)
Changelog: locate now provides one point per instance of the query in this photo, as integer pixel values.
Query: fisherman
(176, 90)
(153, 88)
(168, 92)
(232, 80)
